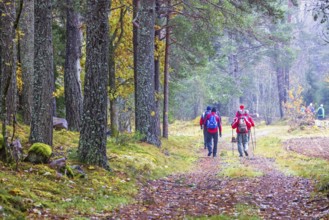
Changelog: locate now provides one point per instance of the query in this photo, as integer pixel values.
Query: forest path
(202, 192)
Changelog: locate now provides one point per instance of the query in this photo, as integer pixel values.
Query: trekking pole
(232, 144)
(252, 144)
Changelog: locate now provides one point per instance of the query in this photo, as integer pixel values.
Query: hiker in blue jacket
(320, 112)
(214, 129)
(203, 126)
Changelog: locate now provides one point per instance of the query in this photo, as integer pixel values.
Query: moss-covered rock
(39, 153)
(67, 170)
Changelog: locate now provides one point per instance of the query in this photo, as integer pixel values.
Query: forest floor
(319, 149)
(204, 194)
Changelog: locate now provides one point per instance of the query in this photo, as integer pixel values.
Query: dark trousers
(210, 137)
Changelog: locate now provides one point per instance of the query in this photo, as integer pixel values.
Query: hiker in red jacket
(214, 129)
(241, 124)
(202, 125)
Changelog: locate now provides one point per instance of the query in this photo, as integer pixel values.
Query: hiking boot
(209, 154)
(215, 155)
(240, 155)
(246, 153)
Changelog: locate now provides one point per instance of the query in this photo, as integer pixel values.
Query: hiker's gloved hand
(220, 134)
(201, 127)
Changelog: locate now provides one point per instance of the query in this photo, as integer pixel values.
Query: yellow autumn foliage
(293, 108)
(124, 62)
(294, 102)
(19, 78)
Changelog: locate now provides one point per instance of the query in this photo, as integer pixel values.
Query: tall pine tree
(146, 122)
(43, 78)
(92, 144)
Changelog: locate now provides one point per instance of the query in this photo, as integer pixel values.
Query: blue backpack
(212, 122)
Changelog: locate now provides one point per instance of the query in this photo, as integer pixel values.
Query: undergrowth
(46, 193)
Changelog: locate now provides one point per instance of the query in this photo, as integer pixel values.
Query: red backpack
(242, 125)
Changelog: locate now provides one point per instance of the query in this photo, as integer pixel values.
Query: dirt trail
(202, 193)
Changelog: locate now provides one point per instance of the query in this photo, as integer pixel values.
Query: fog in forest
(258, 64)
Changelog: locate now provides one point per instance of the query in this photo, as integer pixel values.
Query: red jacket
(252, 123)
(236, 122)
(212, 131)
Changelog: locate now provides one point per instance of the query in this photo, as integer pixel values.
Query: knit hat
(213, 109)
(208, 108)
(241, 106)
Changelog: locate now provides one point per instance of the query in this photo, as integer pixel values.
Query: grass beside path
(270, 145)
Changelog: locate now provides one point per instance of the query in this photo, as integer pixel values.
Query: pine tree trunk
(8, 56)
(27, 56)
(157, 70)
(7, 68)
(280, 80)
(92, 145)
(234, 72)
(43, 78)
(114, 111)
(73, 94)
(157, 90)
(145, 93)
(281, 90)
(135, 44)
(166, 79)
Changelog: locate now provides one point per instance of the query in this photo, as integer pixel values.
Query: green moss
(41, 149)
(67, 170)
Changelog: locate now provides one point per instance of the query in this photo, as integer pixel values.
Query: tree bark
(135, 44)
(27, 57)
(280, 79)
(43, 78)
(114, 110)
(7, 68)
(92, 144)
(145, 92)
(157, 72)
(72, 83)
(8, 56)
(234, 72)
(166, 78)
